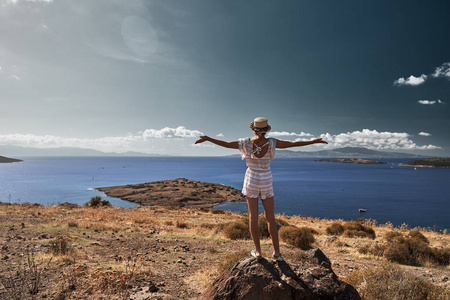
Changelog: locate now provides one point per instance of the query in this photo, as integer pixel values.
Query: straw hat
(260, 122)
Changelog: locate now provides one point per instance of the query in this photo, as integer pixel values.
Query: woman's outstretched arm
(287, 144)
(231, 145)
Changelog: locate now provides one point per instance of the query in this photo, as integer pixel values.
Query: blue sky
(150, 76)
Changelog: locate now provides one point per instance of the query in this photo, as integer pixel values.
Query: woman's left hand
(319, 141)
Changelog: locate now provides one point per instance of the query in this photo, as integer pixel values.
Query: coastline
(179, 192)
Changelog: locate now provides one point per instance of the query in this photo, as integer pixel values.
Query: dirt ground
(148, 253)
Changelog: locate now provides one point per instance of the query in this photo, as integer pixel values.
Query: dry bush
(82, 282)
(299, 237)
(237, 231)
(412, 249)
(229, 260)
(217, 211)
(357, 229)
(60, 245)
(27, 281)
(417, 235)
(335, 229)
(390, 282)
(264, 227)
(97, 202)
(181, 224)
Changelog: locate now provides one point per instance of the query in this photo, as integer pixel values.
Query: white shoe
(253, 253)
(278, 258)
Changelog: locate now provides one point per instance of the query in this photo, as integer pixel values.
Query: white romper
(258, 177)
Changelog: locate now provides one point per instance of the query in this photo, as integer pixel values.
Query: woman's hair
(266, 129)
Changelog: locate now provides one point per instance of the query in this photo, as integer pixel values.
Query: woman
(258, 151)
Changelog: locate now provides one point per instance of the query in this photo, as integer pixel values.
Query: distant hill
(8, 160)
(347, 152)
(63, 151)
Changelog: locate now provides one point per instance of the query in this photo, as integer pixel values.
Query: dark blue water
(389, 193)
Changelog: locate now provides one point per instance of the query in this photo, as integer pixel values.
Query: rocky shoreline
(4, 159)
(179, 192)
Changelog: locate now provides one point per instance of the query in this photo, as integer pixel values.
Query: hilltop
(173, 253)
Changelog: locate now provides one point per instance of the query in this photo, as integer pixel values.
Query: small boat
(362, 210)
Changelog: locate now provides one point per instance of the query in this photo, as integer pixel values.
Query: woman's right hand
(202, 139)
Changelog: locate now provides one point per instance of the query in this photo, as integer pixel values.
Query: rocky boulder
(261, 279)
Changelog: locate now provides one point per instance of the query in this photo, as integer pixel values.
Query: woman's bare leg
(253, 223)
(269, 214)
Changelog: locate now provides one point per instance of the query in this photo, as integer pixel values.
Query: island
(4, 159)
(179, 192)
(352, 160)
(428, 163)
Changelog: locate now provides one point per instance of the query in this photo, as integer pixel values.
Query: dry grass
(88, 232)
(389, 282)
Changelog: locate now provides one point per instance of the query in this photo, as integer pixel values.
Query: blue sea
(389, 193)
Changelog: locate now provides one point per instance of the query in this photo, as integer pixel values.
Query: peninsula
(4, 159)
(351, 160)
(179, 192)
(428, 163)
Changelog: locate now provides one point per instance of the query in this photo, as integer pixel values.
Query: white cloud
(430, 102)
(375, 140)
(220, 135)
(167, 132)
(107, 144)
(427, 102)
(424, 133)
(442, 71)
(285, 133)
(411, 80)
(151, 141)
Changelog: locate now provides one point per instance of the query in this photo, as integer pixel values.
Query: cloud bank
(145, 141)
(167, 132)
(374, 140)
(129, 142)
(285, 133)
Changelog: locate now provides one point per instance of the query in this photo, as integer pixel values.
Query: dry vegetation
(73, 252)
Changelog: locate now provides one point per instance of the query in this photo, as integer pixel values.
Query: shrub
(237, 231)
(417, 235)
(298, 237)
(353, 229)
(390, 236)
(390, 282)
(412, 250)
(72, 224)
(181, 225)
(217, 211)
(335, 229)
(96, 202)
(60, 245)
(264, 227)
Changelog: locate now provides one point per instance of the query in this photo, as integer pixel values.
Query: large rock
(251, 278)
